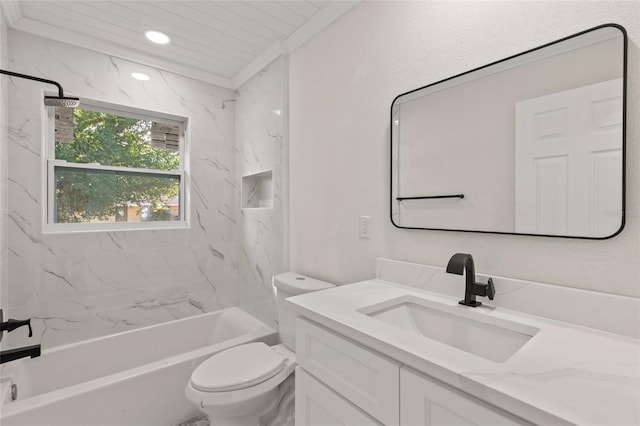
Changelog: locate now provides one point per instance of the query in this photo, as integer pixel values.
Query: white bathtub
(132, 378)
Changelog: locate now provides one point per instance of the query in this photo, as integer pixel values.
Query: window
(114, 168)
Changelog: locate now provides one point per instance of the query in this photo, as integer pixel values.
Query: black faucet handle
(491, 290)
(12, 324)
(483, 290)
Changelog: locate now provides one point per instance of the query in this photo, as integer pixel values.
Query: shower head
(62, 101)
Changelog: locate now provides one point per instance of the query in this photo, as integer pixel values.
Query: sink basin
(492, 338)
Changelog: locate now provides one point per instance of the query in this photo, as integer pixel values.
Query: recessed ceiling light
(139, 76)
(157, 37)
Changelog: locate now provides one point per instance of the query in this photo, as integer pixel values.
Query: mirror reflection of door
(569, 161)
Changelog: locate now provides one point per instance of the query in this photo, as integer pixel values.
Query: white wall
(78, 286)
(342, 83)
(262, 144)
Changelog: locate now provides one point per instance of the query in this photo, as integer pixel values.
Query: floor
(197, 421)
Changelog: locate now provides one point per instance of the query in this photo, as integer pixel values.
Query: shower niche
(257, 190)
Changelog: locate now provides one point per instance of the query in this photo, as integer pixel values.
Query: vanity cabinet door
(364, 377)
(317, 405)
(423, 401)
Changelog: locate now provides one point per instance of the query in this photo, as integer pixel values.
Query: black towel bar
(430, 197)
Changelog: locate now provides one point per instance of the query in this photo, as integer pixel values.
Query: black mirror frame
(624, 137)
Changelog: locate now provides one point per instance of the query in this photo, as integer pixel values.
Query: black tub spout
(13, 354)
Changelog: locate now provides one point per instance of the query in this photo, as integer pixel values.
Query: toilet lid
(237, 368)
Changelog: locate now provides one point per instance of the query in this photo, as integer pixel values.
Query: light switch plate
(365, 226)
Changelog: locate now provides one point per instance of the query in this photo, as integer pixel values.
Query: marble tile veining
(196, 421)
(261, 146)
(80, 286)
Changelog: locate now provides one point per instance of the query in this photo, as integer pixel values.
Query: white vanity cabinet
(424, 401)
(408, 356)
(340, 382)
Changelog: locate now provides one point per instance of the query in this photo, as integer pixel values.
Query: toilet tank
(291, 284)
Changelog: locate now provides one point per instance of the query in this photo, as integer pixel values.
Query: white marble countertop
(566, 374)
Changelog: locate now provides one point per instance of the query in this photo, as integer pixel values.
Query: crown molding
(327, 16)
(12, 11)
(317, 23)
(278, 48)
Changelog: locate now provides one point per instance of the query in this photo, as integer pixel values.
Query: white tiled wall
(261, 117)
(78, 286)
(4, 112)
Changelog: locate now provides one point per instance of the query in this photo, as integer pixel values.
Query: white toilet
(252, 384)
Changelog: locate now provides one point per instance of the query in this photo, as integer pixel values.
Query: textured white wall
(78, 286)
(342, 83)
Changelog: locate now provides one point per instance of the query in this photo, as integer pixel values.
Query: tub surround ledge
(565, 374)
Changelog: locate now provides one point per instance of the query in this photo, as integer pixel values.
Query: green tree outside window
(84, 195)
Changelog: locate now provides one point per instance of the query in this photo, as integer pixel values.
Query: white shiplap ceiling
(221, 42)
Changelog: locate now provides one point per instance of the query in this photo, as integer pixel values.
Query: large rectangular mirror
(533, 144)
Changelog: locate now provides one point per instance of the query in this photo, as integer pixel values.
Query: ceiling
(221, 42)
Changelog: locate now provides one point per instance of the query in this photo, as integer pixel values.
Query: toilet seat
(236, 368)
(226, 398)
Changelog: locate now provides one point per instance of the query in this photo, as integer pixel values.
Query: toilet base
(278, 412)
(247, 412)
(281, 411)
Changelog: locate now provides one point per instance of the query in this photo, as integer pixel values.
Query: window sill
(82, 228)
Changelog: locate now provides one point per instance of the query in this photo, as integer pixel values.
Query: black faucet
(457, 265)
(17, 353)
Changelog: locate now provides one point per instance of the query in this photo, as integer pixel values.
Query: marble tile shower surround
(4, 113)
(261, 143)
(84, 285)
(603, 311)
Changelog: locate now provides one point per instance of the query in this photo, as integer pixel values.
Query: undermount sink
(492, 338)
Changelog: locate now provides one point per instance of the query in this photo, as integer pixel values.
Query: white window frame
(50, 163)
